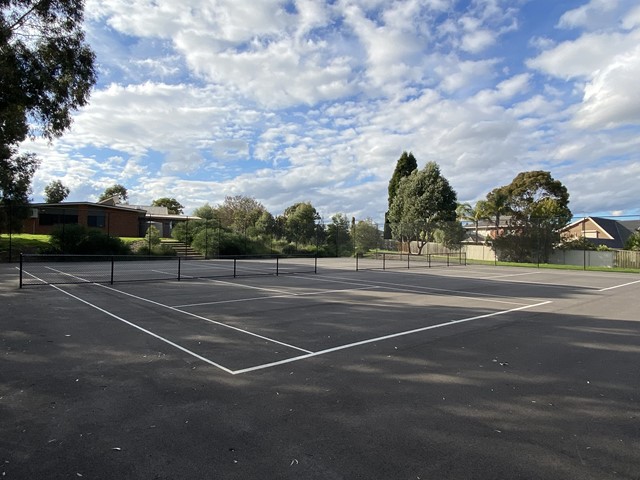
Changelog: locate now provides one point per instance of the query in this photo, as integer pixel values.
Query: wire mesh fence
(394, 261)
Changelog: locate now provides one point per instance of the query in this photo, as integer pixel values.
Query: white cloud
(611, 99)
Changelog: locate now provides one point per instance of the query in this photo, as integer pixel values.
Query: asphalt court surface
(468, 372)
(246, 324)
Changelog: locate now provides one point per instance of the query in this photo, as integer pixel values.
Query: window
(97, 221)
(56, 218)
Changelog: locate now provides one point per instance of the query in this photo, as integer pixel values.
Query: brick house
(601, 231)
(114, 219)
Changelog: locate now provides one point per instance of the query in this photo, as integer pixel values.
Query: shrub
(79, 240)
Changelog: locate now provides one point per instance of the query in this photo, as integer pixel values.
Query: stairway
(182, 249)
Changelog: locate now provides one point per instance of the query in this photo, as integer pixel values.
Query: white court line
(385, 337)
(148, 332)
(497, 279)
(282, 292)
(200, 317)
(288, 295)
(419, 289)
(619, 286)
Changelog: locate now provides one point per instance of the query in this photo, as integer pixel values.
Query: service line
(384, 337)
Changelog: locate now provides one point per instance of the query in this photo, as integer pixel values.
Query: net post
(21, 269)
(112, 265)
(179, 267)
(234, 266)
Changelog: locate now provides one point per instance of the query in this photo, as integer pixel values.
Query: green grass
(552, 266)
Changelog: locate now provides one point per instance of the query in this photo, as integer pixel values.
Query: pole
(20, 269)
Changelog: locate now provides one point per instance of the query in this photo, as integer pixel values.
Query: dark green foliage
(46, 72)
(580, 243)
(56, 192)
(15, 185)
(79, 240)
(300, 223)
(633, 242)
(367, 235)
(47, 68)
(173, 206)
(423, 201)
(338, 238)
(537, 206)
(404, 167)
(117, 190)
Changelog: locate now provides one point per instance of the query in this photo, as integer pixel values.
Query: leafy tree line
(242, 225)
(527, 214)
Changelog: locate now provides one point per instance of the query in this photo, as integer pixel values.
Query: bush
(79, 240)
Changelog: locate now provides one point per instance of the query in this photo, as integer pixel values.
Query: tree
(367, 236)
(300, 223)
(116, 190)
(468, 213)
(173, 206)
(240, 213)
(56, 192)
(633, 242)
(405, 165)
(538, 207)
(423, 200)
(338, 238)
(205, 212)
(46, 73)
(15, 186)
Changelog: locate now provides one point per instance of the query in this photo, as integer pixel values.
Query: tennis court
(326, 372)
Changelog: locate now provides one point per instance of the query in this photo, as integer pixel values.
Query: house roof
(149, 212)
(619, 231)
(77, 204)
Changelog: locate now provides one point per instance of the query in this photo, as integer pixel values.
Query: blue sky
(304, 100)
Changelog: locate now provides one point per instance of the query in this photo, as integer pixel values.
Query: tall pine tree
(406, 164)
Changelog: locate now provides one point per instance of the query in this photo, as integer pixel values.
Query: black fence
(389, 261)
(110, 269)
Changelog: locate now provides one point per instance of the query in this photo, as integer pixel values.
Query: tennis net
(73, 269)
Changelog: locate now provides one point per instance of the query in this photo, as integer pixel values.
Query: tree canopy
(47, 67)
(300, 222)
(173, 206)
(405, 165)
(46, 73)
(423, 200)
(117, 190)
(56, 192)
(537, 206)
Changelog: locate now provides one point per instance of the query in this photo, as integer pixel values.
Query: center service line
(385, 337)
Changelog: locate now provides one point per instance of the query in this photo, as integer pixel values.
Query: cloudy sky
(310, 100)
